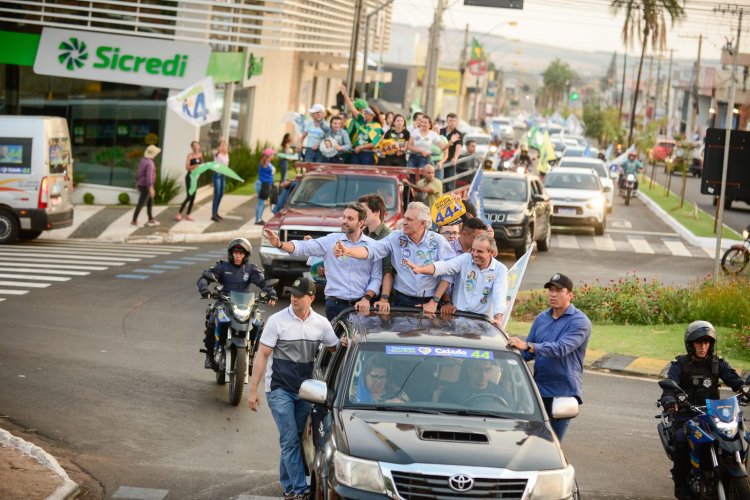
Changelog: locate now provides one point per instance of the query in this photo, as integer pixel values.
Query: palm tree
(644, 18)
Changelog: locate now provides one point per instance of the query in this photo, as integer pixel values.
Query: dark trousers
(366, 157)
(190, 198)
(335, 306)
(401, 300)
(144, 198)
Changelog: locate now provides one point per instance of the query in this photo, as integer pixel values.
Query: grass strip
(650, 341)
(698, 221)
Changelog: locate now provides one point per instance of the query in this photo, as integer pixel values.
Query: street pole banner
(197, 103)
(515, 275)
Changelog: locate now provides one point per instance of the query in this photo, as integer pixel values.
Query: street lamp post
(350, 78)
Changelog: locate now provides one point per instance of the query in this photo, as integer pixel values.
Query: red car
(662, 150)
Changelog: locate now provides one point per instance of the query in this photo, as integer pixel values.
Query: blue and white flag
(475, 194)
(608, 152)
(587, 150)
(197, 103)
(515, 275)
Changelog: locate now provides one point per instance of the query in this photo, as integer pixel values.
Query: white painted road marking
(34, 277)
(24, 283)
(13, 292)
(677, 248)
(45, 271)
(604, 243)
(567, 241)
(640, 245)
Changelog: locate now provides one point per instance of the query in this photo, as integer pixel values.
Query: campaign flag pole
(515, 275)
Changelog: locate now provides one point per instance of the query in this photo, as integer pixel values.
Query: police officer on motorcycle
(697, 373)
(236, 274)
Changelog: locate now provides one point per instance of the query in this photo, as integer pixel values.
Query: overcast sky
(582, 24)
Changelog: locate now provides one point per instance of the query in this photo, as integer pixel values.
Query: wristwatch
(385, 296)
(435, 299)
(529, 348)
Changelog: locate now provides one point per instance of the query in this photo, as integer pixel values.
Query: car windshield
(339, 190)
(570, 180)
(444, 379)
(599, 168)
(504, 188)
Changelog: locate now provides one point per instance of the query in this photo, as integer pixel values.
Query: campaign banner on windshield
(439, 351)
(142, 61)
(197, 103)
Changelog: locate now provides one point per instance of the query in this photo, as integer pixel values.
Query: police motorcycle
(234, 348)
(718, 442)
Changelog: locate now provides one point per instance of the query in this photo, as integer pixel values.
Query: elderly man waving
(416, 242)
(349, 282)
(481, 283)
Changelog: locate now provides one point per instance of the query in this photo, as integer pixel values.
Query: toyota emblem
(461, 482)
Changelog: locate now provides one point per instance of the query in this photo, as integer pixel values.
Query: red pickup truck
(316, 205)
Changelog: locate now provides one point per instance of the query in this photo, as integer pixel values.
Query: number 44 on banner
(197, 103)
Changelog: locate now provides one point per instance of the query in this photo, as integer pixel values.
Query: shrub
(123, 198)
(725, 304)
(88, 199)
(166, 188)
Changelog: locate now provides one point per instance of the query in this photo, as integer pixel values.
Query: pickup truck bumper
(278, 263)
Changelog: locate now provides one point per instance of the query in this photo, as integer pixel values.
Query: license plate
(566, 211)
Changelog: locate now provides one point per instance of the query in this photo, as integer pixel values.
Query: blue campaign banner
(438, 351)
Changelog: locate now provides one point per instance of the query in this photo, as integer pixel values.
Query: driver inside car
(475, 386)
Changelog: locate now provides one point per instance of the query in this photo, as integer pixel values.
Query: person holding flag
(546, 155)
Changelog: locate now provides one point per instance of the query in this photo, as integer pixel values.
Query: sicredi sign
(120, 59)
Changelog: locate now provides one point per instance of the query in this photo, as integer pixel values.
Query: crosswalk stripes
(648, 244)
(29, 266)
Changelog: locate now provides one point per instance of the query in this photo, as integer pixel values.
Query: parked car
(394, 416)
(695, 160)
(519, 209)
(578, 198)
(662, 150)
(600, 168)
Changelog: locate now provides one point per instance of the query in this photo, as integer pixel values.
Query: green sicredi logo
(74, 53)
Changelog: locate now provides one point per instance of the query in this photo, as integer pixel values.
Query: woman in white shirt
(422, 141)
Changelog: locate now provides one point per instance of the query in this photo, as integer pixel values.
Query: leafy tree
(602, 124)
(558, 77)
(644, 18)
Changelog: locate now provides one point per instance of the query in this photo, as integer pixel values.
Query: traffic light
(574, 96)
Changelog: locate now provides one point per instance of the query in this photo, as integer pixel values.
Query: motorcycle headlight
(241, 314)
(554, 484)
(358, 473)
(745, 234)
(493, 149)
(514, 218)
(729, 429)
(597, 202)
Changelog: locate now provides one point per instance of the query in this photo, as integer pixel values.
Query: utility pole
(637, 85)
(367, 41)
(353, 46)
(624, 74)
(693, 95)
(728, 127)
(433, 59)
(647, 93)
(462, 70)
(658, 86)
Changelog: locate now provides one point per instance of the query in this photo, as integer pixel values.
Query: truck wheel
(544, 244)
(528, 240)
(9, 227)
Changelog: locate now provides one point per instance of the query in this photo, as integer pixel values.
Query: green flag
(216, 167)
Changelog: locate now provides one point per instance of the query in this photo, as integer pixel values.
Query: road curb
(66, 491)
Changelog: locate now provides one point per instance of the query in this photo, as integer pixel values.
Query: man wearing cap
(416, 242)
(349, 282)
(557, 342)
(313, 132)
(369, 132)
(286, 354)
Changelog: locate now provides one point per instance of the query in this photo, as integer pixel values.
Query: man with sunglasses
(349, 282)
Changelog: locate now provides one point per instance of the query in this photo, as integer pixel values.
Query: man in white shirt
(481, 283)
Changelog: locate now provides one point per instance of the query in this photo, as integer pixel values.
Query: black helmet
(698, 330)
(240, 244)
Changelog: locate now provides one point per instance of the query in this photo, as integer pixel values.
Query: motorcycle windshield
(725, 410)
(241, 299)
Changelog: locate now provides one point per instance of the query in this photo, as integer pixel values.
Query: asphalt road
(109, 367)
(737, 218)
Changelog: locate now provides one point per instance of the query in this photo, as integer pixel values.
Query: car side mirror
(607, 189)
(538, 198)
(566, 407)
(313, 391)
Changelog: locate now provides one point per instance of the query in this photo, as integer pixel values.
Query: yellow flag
(546, 154)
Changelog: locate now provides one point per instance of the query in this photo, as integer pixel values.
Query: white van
(36, 176)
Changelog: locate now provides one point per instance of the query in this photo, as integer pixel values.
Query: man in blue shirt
(414, 242)
(557, 342)
(349, 282)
